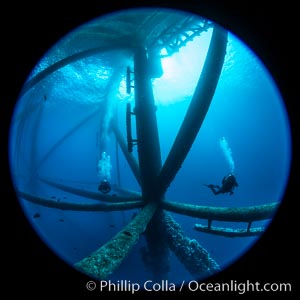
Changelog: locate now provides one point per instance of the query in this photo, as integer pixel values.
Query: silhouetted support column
(101, 263)
(146, 126)
(129, 157)
(35, 142)
(149, 161)
(66, 136)
(198, 108)
(156, 256)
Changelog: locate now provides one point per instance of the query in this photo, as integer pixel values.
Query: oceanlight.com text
(239, 287)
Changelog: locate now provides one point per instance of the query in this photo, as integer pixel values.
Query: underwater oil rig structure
(163, 234)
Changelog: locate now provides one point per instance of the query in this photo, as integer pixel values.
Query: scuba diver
(228, 184)
(104, 186)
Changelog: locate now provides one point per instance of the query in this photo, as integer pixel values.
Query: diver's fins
(210, 185)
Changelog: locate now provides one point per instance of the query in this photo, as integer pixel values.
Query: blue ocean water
(60, 131)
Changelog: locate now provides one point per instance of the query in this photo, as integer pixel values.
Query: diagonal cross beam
(197, 110)
(102, 262)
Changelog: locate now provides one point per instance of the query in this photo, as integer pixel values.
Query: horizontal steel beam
(229, 232)
(228, 214)
(63, 205)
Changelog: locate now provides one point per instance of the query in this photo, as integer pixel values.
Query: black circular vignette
(30, 30)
